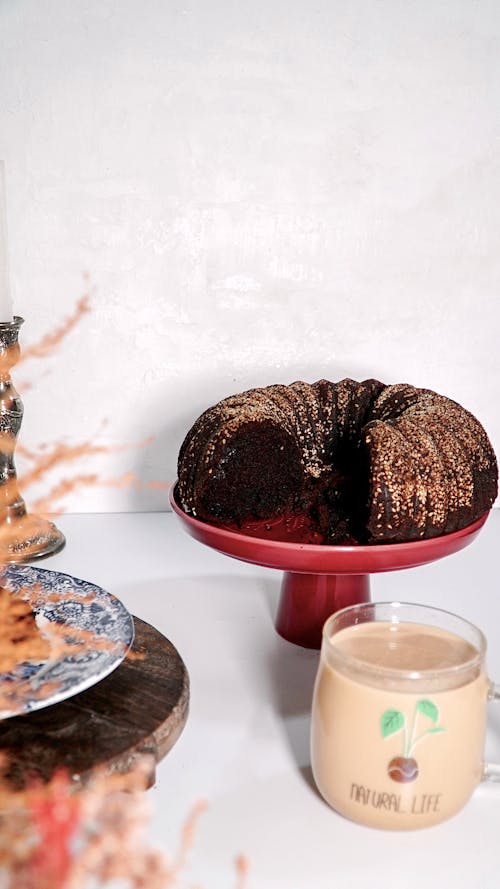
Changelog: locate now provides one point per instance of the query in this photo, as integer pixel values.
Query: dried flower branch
(48, 344)
(242, 871)
(20, 639)
(17, 525)
(41, 462)
(65, 836)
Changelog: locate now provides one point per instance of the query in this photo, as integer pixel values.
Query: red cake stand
(318, 579)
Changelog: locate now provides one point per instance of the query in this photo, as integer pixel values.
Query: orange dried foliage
(58, 836)
(40, 464)
(48, 344)
(242, 871)
(44, 461)
(20, 639)
(187, 838)
(66, 836)
(55, 814)
(59, 454)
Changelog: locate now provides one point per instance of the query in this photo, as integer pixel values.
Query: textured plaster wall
(259, 192)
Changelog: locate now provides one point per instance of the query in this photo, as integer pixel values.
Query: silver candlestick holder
(23, 536)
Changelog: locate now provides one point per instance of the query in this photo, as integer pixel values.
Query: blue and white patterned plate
(88, 630)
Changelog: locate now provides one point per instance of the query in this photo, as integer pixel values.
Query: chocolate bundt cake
(365, 462)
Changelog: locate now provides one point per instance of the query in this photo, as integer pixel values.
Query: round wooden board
(141, 708)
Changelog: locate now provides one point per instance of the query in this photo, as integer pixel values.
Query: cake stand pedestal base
(306, 599)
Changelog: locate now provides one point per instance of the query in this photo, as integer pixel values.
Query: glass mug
(399, 714)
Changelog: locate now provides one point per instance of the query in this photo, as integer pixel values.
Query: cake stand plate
(319, 579)
(139, 710)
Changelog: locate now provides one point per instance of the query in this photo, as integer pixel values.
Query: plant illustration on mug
(405, 768)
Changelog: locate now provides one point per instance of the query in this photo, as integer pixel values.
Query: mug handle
(491, 770)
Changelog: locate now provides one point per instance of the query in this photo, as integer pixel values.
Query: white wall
(259, 191)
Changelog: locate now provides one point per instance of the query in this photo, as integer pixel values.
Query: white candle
(5, 297)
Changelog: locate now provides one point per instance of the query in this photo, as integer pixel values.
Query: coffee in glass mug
(399, 714)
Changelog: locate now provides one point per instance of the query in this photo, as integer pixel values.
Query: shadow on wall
(169, 415)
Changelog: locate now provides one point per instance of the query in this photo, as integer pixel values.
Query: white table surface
(245, 747)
